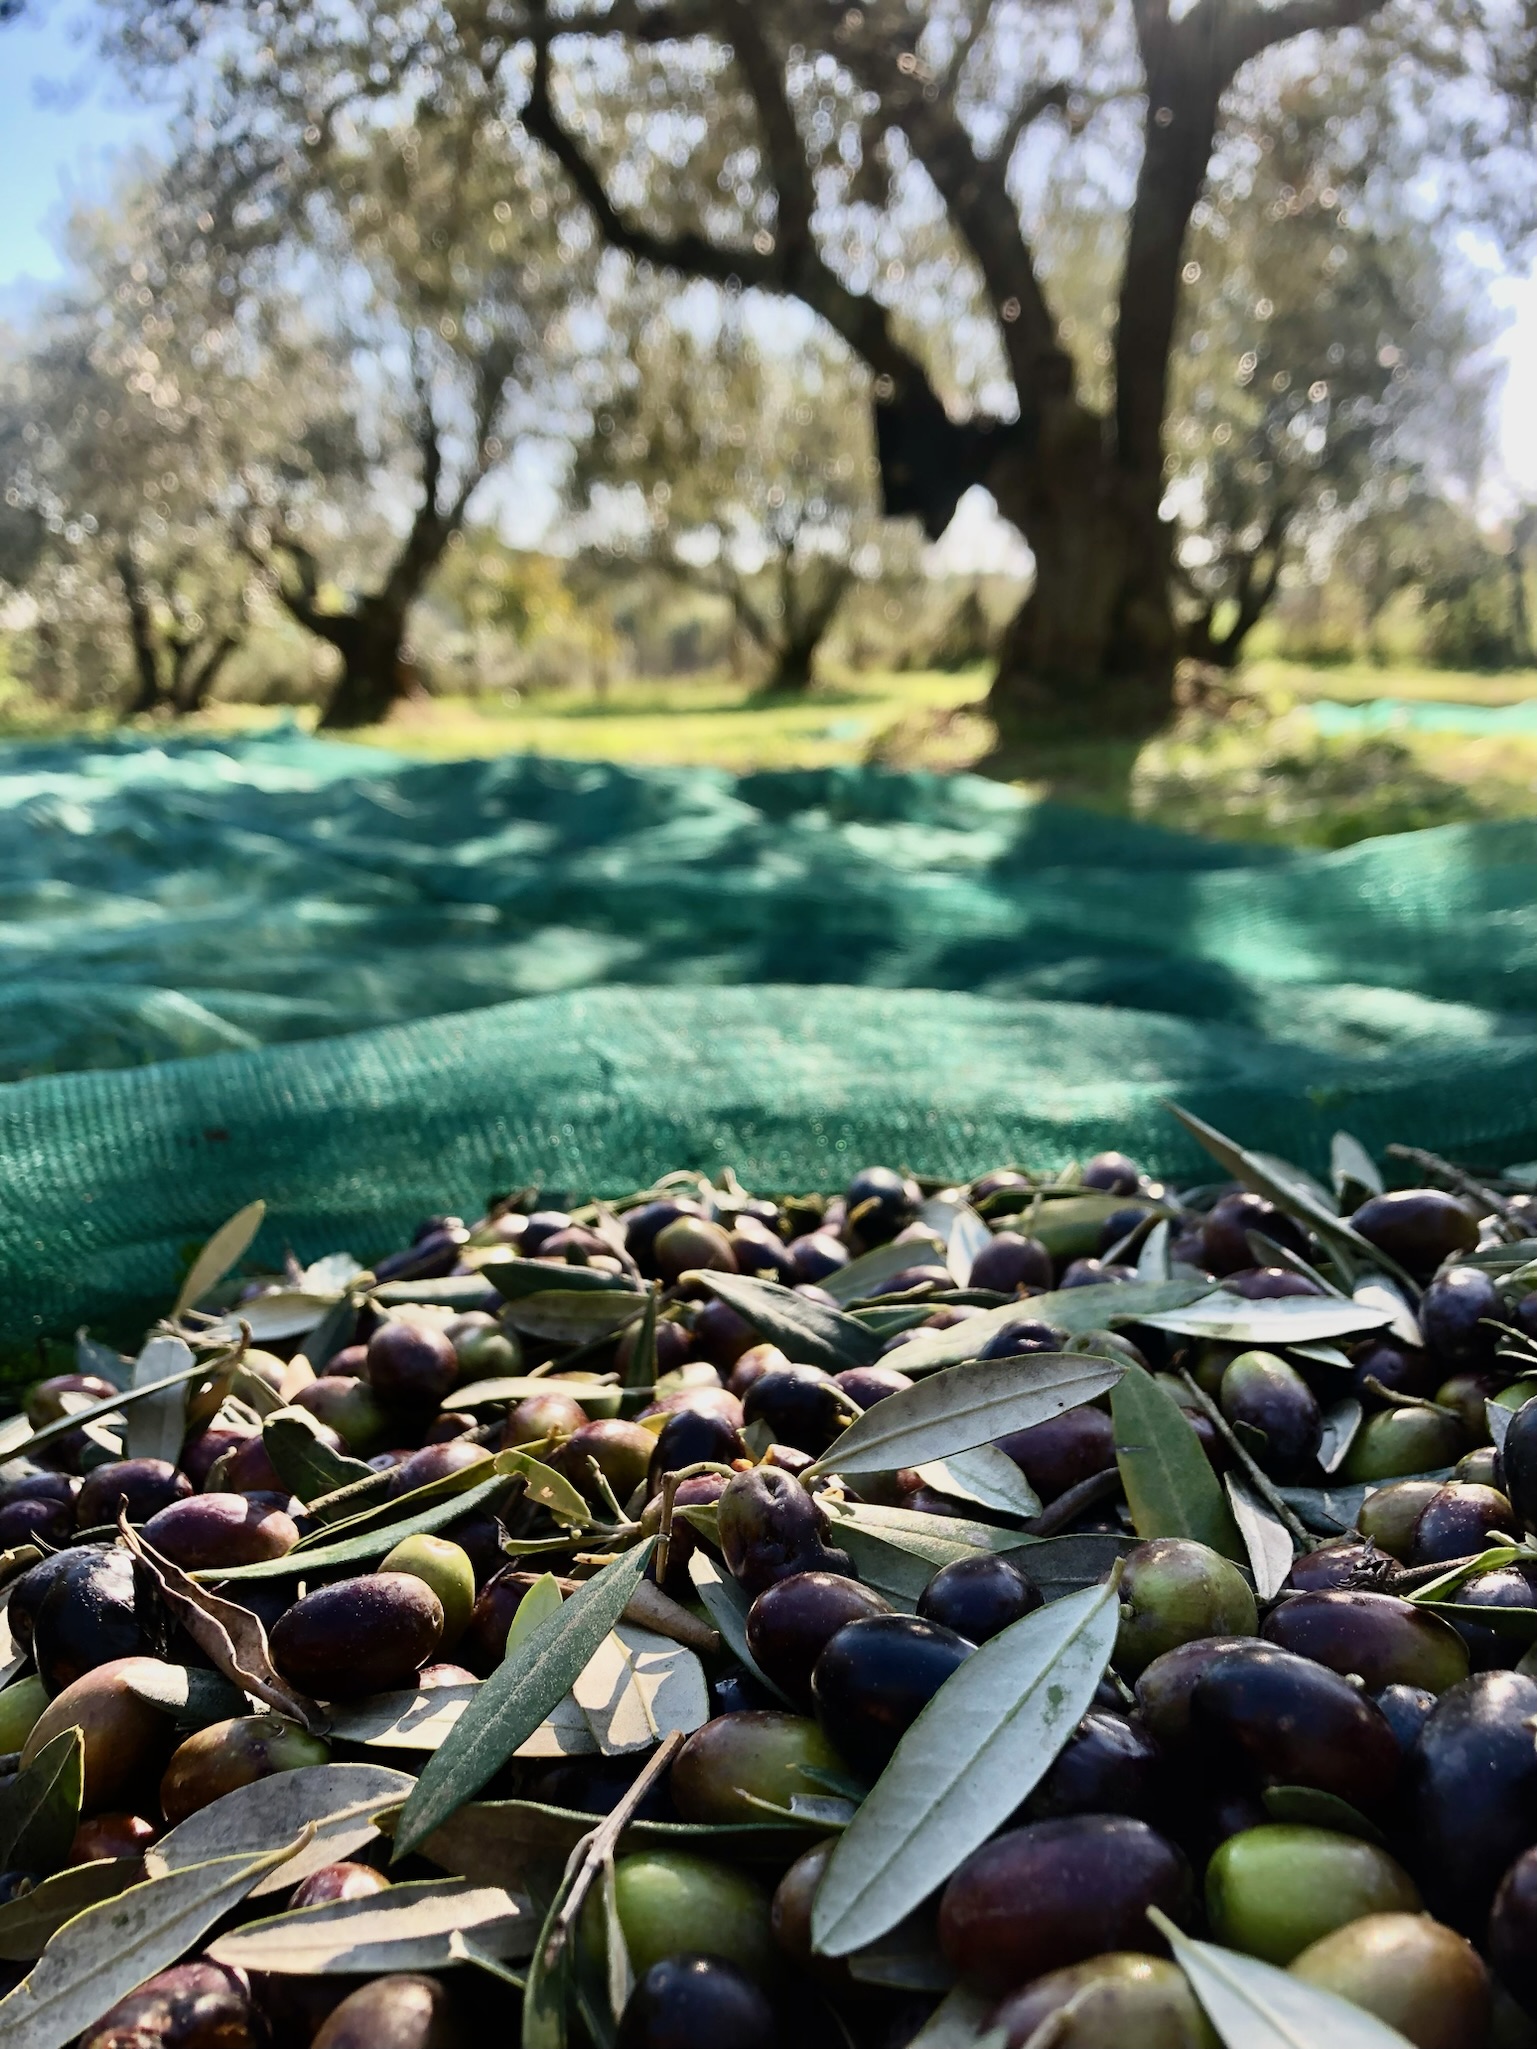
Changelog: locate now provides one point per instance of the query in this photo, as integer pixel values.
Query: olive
(435, 1462)
(1339, 1563)
(1458, 1313)
(21, 1704)
(445, 1567)
(1384, 1641)
(692, 1245)
(359, 1636)
(203, 1453)
(1405, 1708)
(1272, 1891)
(815, 1256)
(1417, 1227)
(642, 1225)
(349, 1407)
(878, 1204)
(483, 1350)
(997, 1182)
(1173, 1591)
(1260, 1392)
(766, 1258)
(695, 1398)
(1481, 1468)
(692, 1437)
(1468, 1395)
(30, 1520)
(1054, 1892)
(141, 1485)
(1021, 1339)
(1094, 1273)
(543, 1224)
(1109, 2002)
(1107, 1766)
(978, 1597)
(1473, 1789)
(543, 1416)
(596, 1785)
(111, 1835)
(1389, 1514)
(215, 1760)
(1401, 1368)
(411, 1366)
(621, 1452)
(769, 1527)
(875, 1677)
(1297, 1723)
(1518, 1462)
(1411, 1972)
(1504, 1586)
(88, 1617)
(759, 1753)
(484, 1642)
(1165, 1687)
(213, 1532)
(577, 1246)
(801, 1406)
(1269, 1284)
(867, 1385)
(702, 1491)
(1512, 1940)
(1458, 1521)
(249, 1469)
(685, 2001)
(1063, 1451)
(122, 1735)
(790, 1914)
(34, 1483)
(343, 1881)
(673, 1904)
(791, 1623)
(199, 2005)
(45, 1398)
(1397, 1441)
(1225, 1245)
(29, 1591)
(1010, 1261)
(396, 2012)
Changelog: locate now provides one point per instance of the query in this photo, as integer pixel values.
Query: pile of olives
(1330, 1768)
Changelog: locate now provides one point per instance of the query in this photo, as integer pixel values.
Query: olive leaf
(301, 1458)
(519, 1694)
(1254, 2006)
(868, 1274)
(967, 1406)
(40, 1807)
(641, 1371)
(807, 1332)
(31, 1441)
(103, 1360)
(1311, 1807)
(517, 1279)
(1171, 1489)
(1071, 1309)
(727, 1607)
(1153, 1259)
(978, 1748)
(227, 1245)
(1066, 1565)
(1375, 1291)
(1290, 1189)
(28, 1922)
(276, 1314)
(961, 1231)
(482, 1394)
(407, 1928)
(1282, 1320)
(231, 1635)
(1352, 1169)
(370, 1543)
(570, 1317)
(1070, 1226)
(1341, 1421)
(637, 1686)
(899, 1550)
(418, 1719)
(335, 1804)
(1266, 1538)
(103, 1953)
(984, 1476)
(192, 1697)
(960, 2022)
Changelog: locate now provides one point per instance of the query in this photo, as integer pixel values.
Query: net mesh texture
(367, 989)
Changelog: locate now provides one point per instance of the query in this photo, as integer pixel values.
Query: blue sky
(63, 119)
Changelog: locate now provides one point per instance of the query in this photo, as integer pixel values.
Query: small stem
(591, 1852)
(1087, 1494)
(1258, 1479)
(664, 1535)
(1462, 1184)
(609, 1500)
(1408, 1577)
(1396, 1400)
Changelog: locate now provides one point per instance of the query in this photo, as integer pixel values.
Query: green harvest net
(407, 986)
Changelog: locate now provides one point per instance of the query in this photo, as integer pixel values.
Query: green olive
(1271, 1891)
(1414, 1973)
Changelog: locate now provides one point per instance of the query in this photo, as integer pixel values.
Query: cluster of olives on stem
(1332, 1772)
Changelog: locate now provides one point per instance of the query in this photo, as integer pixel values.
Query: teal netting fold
(586, 974)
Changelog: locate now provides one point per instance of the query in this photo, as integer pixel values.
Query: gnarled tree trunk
(375, 673)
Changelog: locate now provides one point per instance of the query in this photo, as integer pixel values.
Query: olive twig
(1396, 1399)
(1408, 1577)
(1087, 1493)
(1258, 1479)
(1462, 1183)
(664, 1534)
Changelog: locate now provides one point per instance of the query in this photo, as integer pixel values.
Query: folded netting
(788, 973)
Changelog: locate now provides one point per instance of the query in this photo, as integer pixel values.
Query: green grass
(1250, 765)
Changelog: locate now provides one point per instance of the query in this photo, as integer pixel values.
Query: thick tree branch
(1248, 31)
